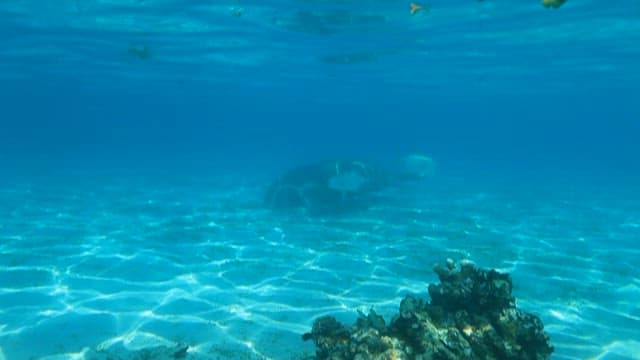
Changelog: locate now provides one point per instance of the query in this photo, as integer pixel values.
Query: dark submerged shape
(339, 186)
(327, 187)
(472, 315)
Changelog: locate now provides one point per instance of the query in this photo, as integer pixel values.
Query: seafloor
(90, 267)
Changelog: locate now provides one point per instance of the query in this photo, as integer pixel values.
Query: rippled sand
(97, 265)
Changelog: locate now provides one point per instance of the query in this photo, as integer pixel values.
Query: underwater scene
(319, 179)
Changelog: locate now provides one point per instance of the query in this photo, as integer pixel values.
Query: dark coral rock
(372, 320)
(361, 342)
(408, 325)
(472, 315)
(119, 352)
(474, 290)
(329, 336)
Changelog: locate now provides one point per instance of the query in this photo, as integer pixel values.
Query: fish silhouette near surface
(553, 3)
(415, 8)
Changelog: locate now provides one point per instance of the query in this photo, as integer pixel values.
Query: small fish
(141, 52)
(553, 3)
(236, 11)
(415, 7)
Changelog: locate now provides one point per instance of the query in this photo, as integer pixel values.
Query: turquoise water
(138, 264)
(138, 137)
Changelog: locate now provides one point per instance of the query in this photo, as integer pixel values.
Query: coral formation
(472, 315)
(178, 352)
(326, 187)
(340, 186)
(418, 166)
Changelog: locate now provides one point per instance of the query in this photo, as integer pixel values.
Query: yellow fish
(415, 7)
